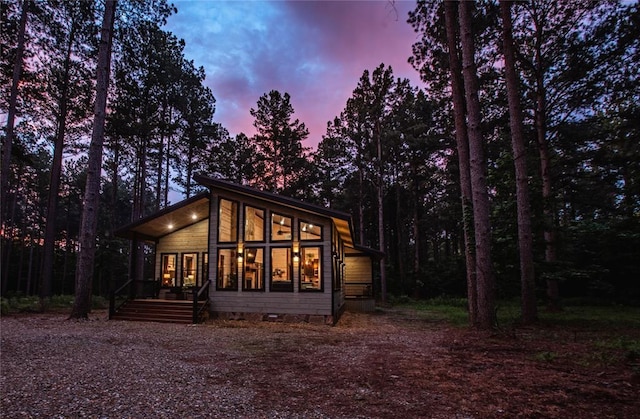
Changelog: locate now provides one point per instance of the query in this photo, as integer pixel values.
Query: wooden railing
(112, 297)
(201, 295)
(358, 290)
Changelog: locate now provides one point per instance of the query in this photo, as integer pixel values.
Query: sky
(314, 50)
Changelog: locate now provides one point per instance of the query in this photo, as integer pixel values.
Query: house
(253, 254)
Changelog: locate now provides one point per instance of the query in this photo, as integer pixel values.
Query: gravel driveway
(391, 365)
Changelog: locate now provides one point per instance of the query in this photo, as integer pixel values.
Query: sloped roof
(168, 220)
(196, 208)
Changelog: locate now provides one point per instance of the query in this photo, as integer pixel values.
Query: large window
(281, 269)
(228, 221)
(310, 269)
(280, 227)
(253, 224)
(189, 269)
(253, 278)
(227, 274)
(169, 269)
(310, 231)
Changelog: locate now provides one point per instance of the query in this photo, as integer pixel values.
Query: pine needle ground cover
(404, 361)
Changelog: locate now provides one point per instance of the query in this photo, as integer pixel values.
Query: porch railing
(201, 295)
(358, 290)
(113, 307)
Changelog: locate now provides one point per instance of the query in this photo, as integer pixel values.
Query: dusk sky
(314, 50)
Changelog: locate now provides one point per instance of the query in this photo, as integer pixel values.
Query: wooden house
(253, 254)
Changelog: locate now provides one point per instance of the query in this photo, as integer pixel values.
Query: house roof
(168, 220)
(196, 208)
(341, 219)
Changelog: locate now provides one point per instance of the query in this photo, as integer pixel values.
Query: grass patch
(33, 304)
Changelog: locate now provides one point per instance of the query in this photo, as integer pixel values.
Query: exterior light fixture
(170, 226)
(194, 216)
(296, 256)
(240, 253)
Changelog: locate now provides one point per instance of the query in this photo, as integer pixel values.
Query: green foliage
(33, 304)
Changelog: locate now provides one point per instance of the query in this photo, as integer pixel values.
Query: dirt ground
(392, 364)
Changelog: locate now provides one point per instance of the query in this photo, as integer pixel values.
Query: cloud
(314, 50)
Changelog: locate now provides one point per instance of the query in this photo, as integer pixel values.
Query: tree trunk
(380, 197)
(89, 219)
(46, 281)
(11, 112)
(462, 142)
(545, 165)
(7, 146)
(525, 239)
(482, 227)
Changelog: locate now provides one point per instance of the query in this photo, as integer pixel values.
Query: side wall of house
(266, 303)
(191, 239)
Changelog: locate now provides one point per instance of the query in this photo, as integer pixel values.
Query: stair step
(156, 311)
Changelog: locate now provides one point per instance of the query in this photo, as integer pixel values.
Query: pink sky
(314, 50)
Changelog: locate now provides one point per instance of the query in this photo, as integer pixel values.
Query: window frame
(234, 259)
(288, 284)
(321, 268)
(162, 269)
(182, 269)
(237, 221)
(300, 230)
(273, 235)
(245, 260)
(264, 224)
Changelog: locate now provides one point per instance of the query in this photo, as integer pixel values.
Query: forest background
(391, 158)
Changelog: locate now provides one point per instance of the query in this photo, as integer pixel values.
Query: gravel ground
(58, 368)
(391, 365)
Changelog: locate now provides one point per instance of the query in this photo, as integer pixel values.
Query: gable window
(227, 273)
(253, 224)
(253, 272)
(169, 269)
(281, 269)
(280, 227)
(227, 221)
(310, 231)
(310, 268)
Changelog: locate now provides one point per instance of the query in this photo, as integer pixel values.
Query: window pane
(253, 269)
(205, 267)
(310, 269)
(227, 270)
(281, 269)
(169, 270)
(280, 227)
(309, 231)
(253, 224)
(189, 269)
(228, 221)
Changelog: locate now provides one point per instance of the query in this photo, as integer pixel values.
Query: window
(205, 267)
(310, 231)
(253, 278)
(281, 269)
(253, 224)
(228, 221)
(310, 269)
(227, 278)
(169, 269)
(189, 269)
(280, 227)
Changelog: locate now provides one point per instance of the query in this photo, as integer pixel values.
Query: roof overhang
(168, 220)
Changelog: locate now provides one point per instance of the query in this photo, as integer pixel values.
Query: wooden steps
(164, 311)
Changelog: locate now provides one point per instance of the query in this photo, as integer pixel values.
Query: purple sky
(314, 50)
